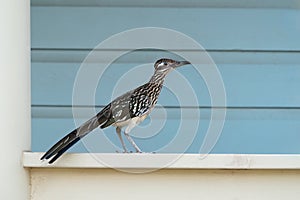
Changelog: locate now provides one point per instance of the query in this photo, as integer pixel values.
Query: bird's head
(165, 64)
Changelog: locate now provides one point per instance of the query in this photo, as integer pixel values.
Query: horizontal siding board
(85, 27)
(246, 130)
(161, 113)
(150, 55)
(173, 3)
(253, 132)
(246, 85)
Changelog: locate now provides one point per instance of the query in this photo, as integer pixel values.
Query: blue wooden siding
(257, 52)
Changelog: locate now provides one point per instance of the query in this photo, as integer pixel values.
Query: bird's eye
(165, 63)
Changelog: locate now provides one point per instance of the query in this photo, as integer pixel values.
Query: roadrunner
(128, 110)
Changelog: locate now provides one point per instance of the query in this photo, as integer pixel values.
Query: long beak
(181, 63)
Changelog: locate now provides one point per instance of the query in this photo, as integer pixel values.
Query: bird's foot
(117, 151)
(152, 152)
(136, 151)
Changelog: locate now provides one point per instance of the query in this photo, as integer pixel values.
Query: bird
(126, 111)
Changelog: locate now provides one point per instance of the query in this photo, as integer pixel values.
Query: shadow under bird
(127, 110)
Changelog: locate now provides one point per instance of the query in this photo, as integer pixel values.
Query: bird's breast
(135, 120)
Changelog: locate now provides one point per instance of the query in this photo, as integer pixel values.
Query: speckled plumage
(127, 110)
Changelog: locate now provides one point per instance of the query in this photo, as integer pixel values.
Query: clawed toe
(117, 151)
(121, 151)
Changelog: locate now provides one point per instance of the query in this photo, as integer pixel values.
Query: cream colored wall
(15, 97)
(56, 183)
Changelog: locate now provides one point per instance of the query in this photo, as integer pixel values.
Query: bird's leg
(138, 150)
(118, 130)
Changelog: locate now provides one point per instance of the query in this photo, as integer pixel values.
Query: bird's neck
(158, 77)
(155, 85)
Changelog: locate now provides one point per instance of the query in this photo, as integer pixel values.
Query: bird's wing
(139, 105)
(134, 103)
(119, 110)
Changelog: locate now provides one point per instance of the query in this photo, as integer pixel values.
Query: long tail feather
(73, 137)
